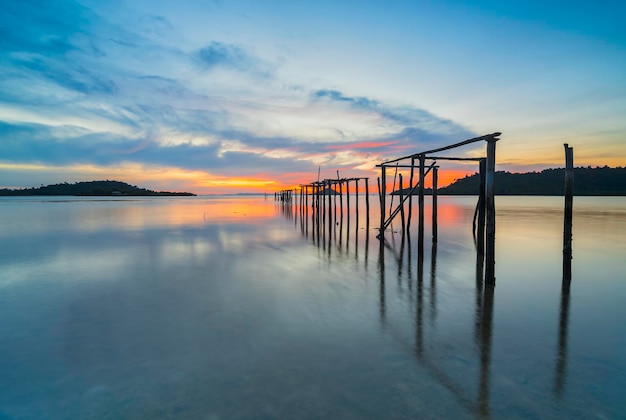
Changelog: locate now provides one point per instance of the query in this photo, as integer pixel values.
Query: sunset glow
(226, 97)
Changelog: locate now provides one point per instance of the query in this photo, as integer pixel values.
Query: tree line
(587, 181)
(90, 188)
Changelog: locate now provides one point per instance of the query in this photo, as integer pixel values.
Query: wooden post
(482, 168)
(402, 204)
(490, 246)
(323, 201)
(341, 197)
(408, 224)
(356, 181)
(567, 219)
(420, 228)
(306, 209)
(434, 210)
(367, 201)
(383, 191)
(330, 202)
(348, 198)
(330, 212)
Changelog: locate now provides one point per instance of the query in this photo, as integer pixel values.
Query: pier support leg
(490, 251)
(567, 217)
(420, 205)
(434, 214)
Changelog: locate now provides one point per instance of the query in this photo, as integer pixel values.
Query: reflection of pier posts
(561, 360)
(480, 260)
(485, 351)
(561, 357)
(419, 316)
(433, 281)
(381, 267)
(490, 253)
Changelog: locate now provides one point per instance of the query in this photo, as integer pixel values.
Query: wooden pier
(426, 163)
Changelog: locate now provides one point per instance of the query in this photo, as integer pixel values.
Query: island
(90, 188)
(588, 181)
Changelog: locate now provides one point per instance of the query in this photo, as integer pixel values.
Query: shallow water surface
(243, 307)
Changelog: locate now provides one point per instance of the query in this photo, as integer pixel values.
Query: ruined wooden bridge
(324, 193)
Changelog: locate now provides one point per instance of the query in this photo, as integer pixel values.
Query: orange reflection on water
(90, 214)
(216, 210)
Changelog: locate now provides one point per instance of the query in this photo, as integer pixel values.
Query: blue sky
(219, 96)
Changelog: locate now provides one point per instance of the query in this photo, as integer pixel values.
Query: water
(221, 308)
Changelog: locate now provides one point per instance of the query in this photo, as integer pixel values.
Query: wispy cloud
(81, 88)
(218, 54)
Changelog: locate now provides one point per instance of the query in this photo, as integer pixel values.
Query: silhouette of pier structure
(319, 221)
(425, 163)
(325, 199)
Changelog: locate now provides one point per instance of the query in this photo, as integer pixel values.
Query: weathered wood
(397, 210)
(348, 199)
(434, 207)
(455, 158)
(408, 222)
(567, 216)
(490, 245)
(480, 232)
(487, 137)
(341, 197)
(383, 192)
(420, 205)
(367, 205)
(402, 206)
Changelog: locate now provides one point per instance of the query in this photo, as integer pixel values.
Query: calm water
(229, 308)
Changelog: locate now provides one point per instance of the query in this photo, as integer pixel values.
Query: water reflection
(322, 221)
(188, 320)
(395, 262)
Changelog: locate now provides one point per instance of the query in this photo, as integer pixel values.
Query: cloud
(218, 55)
(83, 89)
(415, 127)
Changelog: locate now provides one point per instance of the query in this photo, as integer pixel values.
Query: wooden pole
(482, 168)
(434, 210)
(348, 198)
(367, 203)
(341, 197)
(383, 192)
(402, 205)
(567, 219)
(330, 212)
(356, 181)
(330, 202)
(408, 224)
(335, 198)
(420, 228)
(490, 246)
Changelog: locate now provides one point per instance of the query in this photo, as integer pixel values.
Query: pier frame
(485, 232)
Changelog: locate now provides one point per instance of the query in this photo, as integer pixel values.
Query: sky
(231, 96)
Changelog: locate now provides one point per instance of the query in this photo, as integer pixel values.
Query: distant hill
(587, 181)
(91, 188)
